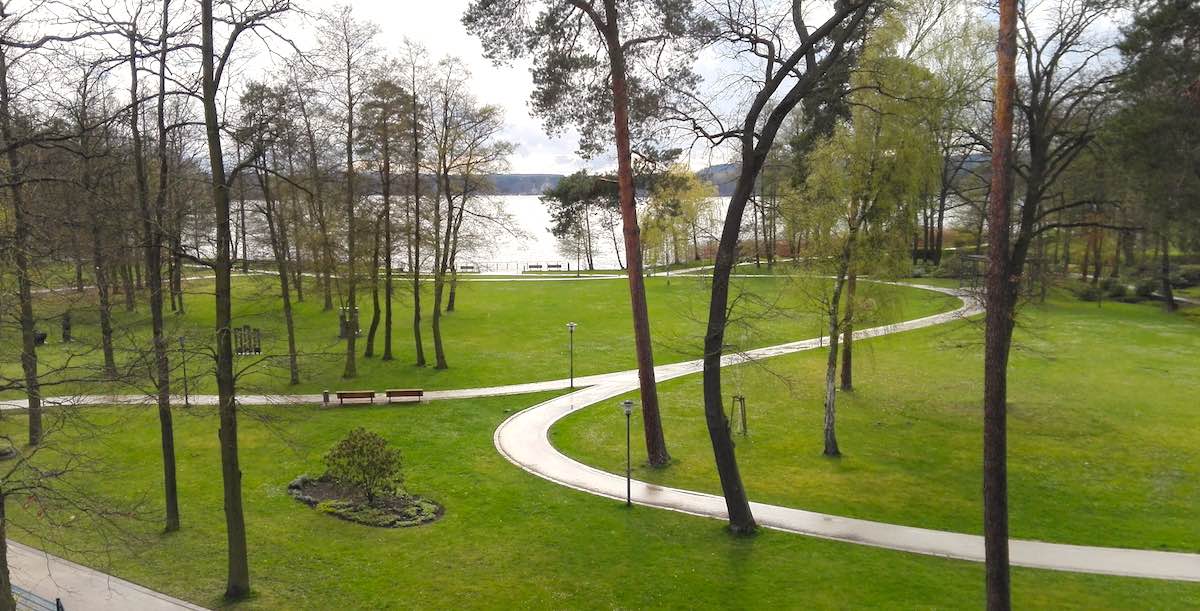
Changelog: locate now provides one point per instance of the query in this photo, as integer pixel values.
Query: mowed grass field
(1104, 437)
(508, 539)
(500, 332)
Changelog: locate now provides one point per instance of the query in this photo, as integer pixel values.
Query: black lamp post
(627, 407)
(571, 349)
(183, 359)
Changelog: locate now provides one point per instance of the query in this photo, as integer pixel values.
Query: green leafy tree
(1157, 130)
(867, 174)
(364, 460)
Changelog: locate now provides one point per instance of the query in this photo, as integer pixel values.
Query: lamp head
(571, 326)
(627, 406)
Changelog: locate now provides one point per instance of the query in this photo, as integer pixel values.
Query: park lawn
(508, 539)
(1102, 429)
(500, 332)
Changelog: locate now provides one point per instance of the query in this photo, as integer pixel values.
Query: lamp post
(571, 349)
(627, 407)
(183, 359)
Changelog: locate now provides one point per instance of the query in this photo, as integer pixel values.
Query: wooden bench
(554, 266)
(466, 268)
(404, 393)
(343, 395)
(534, 267)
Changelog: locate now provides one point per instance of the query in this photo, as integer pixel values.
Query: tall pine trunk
(656, 445)
(1000, 301)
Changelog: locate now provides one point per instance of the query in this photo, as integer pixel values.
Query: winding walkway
(524, 440)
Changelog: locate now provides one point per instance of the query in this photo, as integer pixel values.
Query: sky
(436, 25)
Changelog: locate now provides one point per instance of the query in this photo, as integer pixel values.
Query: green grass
(500, 333)
(508, 539)
(1102, 441)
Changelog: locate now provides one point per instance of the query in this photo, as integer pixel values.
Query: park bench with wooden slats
(553, 266)
(466, 268)
(343, 395)
(537, 267)
(404, 393)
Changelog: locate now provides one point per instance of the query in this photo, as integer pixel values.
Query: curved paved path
(524, 440)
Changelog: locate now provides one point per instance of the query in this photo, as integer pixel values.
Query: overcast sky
(436, 25)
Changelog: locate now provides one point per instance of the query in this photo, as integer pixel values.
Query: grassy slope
(1102, 429)
(501, 332)
(508, 539)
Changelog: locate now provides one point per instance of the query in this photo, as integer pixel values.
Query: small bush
(365, 461)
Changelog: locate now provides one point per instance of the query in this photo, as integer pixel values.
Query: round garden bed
(349, 503)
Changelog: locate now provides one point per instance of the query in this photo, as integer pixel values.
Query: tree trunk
(441, 254)
(238, 580)
(834, 326)
(127, 283)
(848, 334)
(21, 245)
(1165, 274)
(277, 230)
(458, 219)
(741, 519)
(656, 445)
(7, 601)
(388, 247)
(351, 370)
(941, 224)
(369, 349)
(101, 265)
(152, 234)
(1097, 258)
(415, 261)
(1066, 253)
(1000, 299)
(1087, 254)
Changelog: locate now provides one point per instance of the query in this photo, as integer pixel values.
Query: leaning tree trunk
(238, 579)
(369, 349)
(277, 231)
(1000, 301)
(656, 445)
(441, 261)
(831, 444)
(450, 300)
